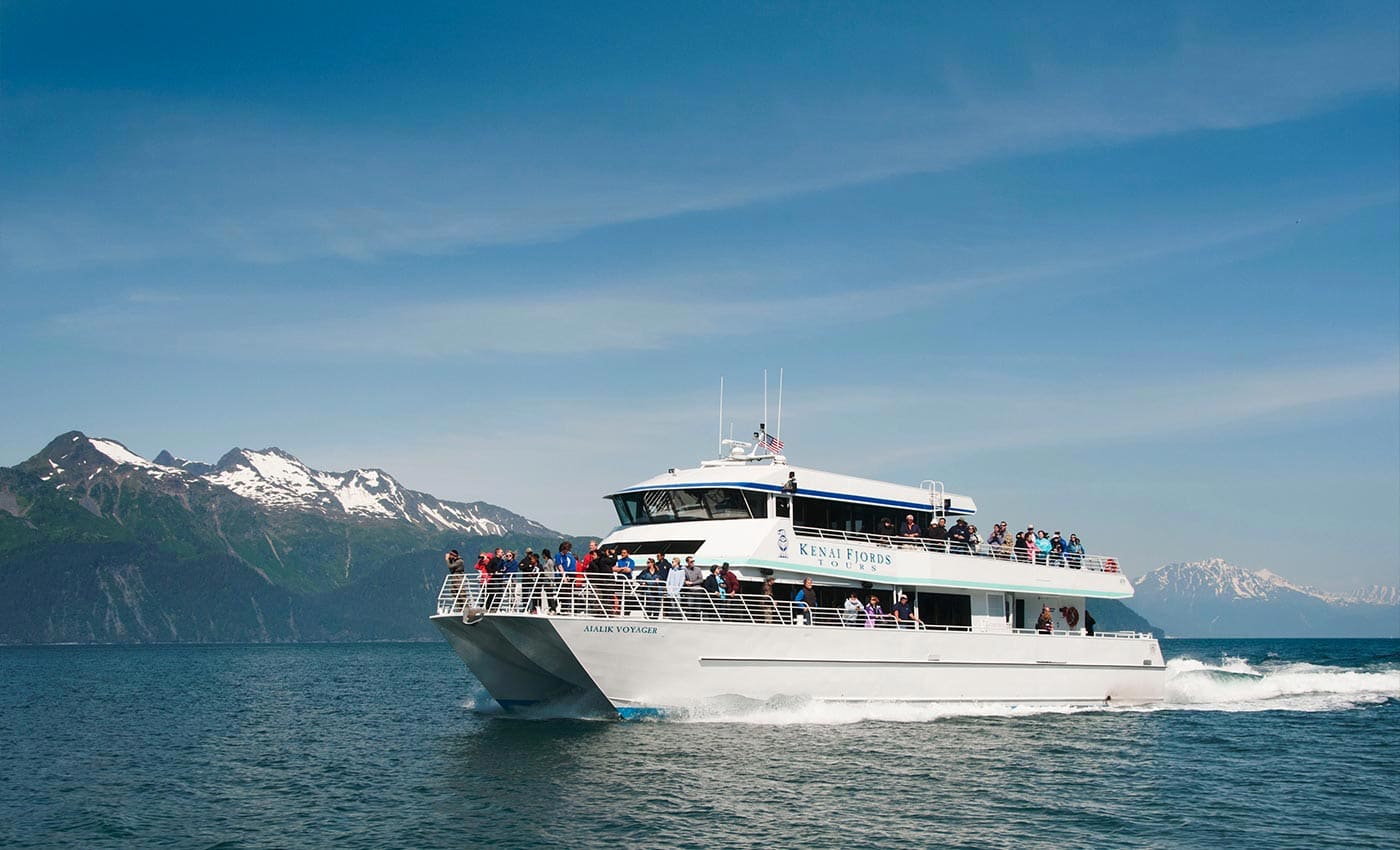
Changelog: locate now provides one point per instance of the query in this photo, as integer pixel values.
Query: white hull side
(637, 663)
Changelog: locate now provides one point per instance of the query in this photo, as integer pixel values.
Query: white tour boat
(593, 644)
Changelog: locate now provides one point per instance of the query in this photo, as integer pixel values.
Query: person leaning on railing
(1074, 552)
(770, 607)
(805, 600)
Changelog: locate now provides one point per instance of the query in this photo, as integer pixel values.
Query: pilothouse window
(681, 505)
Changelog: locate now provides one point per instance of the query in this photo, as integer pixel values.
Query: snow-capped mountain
(97, 543)
(1213, 598)
(275, 480)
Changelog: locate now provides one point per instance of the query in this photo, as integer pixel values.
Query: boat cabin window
(849, 516)
(945, 609)
(680, 505)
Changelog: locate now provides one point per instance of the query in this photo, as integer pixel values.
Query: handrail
(618, 598)
(1005, 552)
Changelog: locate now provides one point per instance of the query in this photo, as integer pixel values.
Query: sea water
(1270, 744)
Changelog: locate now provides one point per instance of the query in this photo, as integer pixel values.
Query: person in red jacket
(731, 580)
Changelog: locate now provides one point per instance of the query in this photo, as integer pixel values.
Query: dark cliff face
(99, 547)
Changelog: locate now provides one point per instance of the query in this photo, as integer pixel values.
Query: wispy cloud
(1146, 407)
(656, 309)
(212, 181)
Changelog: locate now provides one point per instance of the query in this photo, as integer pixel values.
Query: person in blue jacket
(805, 600)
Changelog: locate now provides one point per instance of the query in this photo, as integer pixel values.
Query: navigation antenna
(721, 416)
(779, 432)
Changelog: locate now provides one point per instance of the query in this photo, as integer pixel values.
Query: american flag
(772, 443)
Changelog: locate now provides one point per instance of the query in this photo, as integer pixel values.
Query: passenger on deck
(805, 600)
(650, 582)
(1057, 550)
(905, 617)
(770, 607)
(873, 612)
(886, 527)
(790, 486)
(974, 540)
(938, 532)
(730, 579)
(910, 527)
(694, 578)
(851, 611)
(549, 574)
(675, 583)
(1088, 623)
(1028, 544)
(1045, 623)
(997, 539)
(624, 566)
(1074, 552)
(958, 536)
(455, 564)
(1042, 548)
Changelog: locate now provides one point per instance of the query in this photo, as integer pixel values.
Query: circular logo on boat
(782, 542)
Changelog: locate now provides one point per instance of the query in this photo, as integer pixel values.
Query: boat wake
(1233, 684)
(1229, 685)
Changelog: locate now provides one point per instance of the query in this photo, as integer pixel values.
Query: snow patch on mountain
(117, 452)
(1222, 580)
(274, 480)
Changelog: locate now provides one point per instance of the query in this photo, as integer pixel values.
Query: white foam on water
(1232, 684)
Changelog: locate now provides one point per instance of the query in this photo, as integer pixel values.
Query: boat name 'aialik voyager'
(989, 625)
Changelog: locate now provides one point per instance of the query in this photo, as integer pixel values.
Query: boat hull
(637, 665)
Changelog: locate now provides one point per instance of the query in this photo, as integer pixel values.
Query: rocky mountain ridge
(1213, 598)
(99, 544)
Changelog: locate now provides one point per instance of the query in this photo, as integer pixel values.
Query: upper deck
(766, 517)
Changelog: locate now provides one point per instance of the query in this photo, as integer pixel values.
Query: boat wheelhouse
(616, 644)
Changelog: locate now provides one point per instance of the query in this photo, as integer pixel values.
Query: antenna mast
(779, 432)
(721, 416)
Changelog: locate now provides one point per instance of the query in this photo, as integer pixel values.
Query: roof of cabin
(770, 476)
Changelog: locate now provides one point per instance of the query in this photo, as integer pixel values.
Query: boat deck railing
(1005, 552)
(612, 597)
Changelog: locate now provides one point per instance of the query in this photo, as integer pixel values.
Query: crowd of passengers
(667, 587)
(556, 583)
(1031, 546)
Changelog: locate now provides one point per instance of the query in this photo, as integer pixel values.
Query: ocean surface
(1262, 743)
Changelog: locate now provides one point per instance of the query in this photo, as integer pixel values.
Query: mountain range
(99, 544)
(1212, 598)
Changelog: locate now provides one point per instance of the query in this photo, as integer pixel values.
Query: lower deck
(602, 644)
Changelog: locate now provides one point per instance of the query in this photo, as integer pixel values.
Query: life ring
(1071, 615)
(1110, 565)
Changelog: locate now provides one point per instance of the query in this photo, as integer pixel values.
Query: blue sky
(1128, 271)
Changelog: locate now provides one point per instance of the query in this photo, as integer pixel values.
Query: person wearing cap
(937, 532)
(455, 564)
(1057, 550)
(905, 617)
